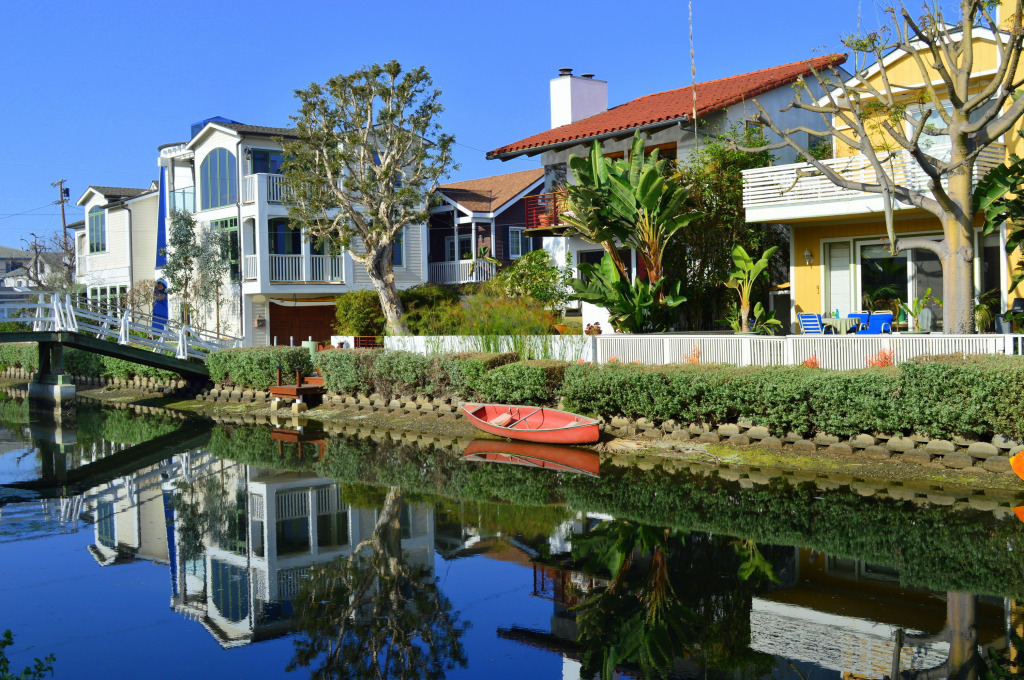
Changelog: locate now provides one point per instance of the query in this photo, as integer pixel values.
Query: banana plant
(651, 207)
(482, 255)
(744, 276)
(999, 196)
(637, 307)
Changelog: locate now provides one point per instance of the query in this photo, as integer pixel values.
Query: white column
(306, 248)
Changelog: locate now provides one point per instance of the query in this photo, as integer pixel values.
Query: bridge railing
(49, 311)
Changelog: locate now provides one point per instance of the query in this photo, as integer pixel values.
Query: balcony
(263, 187)
(784, 192)
(545, 210)
(183, 199)
(460, 272)
(297, 268)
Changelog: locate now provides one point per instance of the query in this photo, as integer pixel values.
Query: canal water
(139, 545)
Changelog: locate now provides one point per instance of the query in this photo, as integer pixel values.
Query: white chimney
(576, 97)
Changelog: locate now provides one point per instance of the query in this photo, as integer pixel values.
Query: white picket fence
(834, 352)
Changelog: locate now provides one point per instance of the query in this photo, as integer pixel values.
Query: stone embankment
(992, 456)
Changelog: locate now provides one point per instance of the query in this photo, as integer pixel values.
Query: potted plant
(915, 308)
(743, 278)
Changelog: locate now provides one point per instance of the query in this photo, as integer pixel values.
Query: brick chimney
(576, 97)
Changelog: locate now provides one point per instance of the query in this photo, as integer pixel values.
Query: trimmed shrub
(121, 368)
(528, 382)
(346, 370)
(399, 372)
(24, 355)
(79, 362)
(462, 371)
(256, 367)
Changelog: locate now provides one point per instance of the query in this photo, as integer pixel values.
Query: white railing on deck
(274, 191)
(327, 268)
(834, 352)
(800, 182)
(460, 272)
(286, 267)
(55, 312)
(292, 504)
(250, 267)
(275, 188)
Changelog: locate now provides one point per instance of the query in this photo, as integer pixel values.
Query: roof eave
(534, 150)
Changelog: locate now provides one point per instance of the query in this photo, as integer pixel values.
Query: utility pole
(63, 194)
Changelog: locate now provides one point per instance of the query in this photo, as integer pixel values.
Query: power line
(56, 167)
(7, 215)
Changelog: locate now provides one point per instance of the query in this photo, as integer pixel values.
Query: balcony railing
(780, 185)
(183, 199)
(292, 269)
(269, 188)
(545, 210)
(460, 272)
(250, 267)
(286, 268)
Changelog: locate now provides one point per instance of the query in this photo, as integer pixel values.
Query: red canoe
(1017, 463)
(533, 423)
(559, 458)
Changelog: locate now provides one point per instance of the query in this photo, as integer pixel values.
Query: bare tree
(53, 263)
(886, 119)
(368, 154)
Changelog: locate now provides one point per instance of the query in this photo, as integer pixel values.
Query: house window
(398, 257)
(886, 280)
(838, 281)
(284, 239)
(97, 230)
(465, 248)
(218, 179)
(266, 161)
(230, 228)
(665, 151)
(517, 243)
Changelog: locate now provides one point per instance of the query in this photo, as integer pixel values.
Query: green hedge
(392, 373)
(79, 362)
(256, 367)
(526, 382)
(936, 396)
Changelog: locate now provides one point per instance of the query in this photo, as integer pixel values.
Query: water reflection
(337, 542)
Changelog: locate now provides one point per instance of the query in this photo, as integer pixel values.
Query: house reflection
(238, 539)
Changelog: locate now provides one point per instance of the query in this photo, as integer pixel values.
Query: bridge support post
(50, 386)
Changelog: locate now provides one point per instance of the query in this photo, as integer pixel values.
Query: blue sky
(90, 90)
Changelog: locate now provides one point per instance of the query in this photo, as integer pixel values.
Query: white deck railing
(327, 268)
(274, 191)
(286, 267)
(463, 271)
(49, 311)
(833, 352)
(801, 183)
(250, 267)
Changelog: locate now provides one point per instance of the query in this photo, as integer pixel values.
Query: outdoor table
(841, 326)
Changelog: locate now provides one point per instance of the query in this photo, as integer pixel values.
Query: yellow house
(839, 255)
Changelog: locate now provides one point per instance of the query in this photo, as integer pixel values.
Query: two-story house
(839, 255)
(490, 213)
(580, 115)
(282, 286)
(115, 245)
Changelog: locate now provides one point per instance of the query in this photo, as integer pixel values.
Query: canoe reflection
(559, 458)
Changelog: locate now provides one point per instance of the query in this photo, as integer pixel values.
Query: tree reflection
(666, 600)
(373, 615)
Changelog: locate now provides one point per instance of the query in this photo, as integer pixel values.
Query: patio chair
(878, 323)
(810, 324)
(862, 319)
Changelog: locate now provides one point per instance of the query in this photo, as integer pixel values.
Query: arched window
(97, 230)
(218, 179)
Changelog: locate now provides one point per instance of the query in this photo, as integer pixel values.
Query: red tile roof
(489, 194)
(712, 96)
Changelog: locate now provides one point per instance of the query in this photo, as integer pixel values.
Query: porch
(463, 271)
(797, 191)
(263, 187)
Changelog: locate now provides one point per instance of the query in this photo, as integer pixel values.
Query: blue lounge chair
(862, 319)
(810, 324)
(878, 323)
